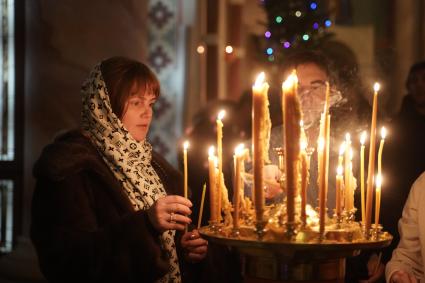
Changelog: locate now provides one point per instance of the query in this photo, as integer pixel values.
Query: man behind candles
(106, 207)
(313, 71)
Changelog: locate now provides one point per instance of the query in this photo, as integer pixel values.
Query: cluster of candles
(296, 162)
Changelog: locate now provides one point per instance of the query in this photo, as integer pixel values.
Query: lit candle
(201, 210)
(338, 190)
(347, 171)
(185, 147)
(362, 142)
(212, 163)
(259, 105)
(322, 192)
(292, 131)
(304, 179)
(220, 184)
(238, 158)
(371, 167)
(381, 147)
(378, 198)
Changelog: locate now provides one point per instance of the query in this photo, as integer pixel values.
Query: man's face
(311, 90)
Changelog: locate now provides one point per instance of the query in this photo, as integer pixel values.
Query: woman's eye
(135, 103)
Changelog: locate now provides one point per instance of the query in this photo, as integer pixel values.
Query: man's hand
(401, 276)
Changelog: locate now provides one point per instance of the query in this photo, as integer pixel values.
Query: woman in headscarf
(106, 207)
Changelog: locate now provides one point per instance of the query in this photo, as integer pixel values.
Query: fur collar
(70, 153)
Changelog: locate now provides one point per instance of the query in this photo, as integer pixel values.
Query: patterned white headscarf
(128, 159)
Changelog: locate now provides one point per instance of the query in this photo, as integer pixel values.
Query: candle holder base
(260, 229)
(376, 232)
(338, 219)
(291, 230)
(236, 232)
(214, 227)
(349, 215)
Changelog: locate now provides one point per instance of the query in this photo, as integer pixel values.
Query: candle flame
(339, 170)
(211, 151)
(290, 81)
(342, 148)
(351, 154)
(383, 132)
(348, 137)
(379, 181)
(363, 138)
(376, 87)
(301, 123)
(239, 150)
(185, 145)
(259, 80)
(221, 114)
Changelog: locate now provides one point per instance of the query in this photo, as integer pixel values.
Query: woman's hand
(195, 248)
(401, 276)
(170, 213)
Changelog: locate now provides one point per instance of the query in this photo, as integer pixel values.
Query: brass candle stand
(273, 252)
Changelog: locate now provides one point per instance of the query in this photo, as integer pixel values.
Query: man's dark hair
(304, 57)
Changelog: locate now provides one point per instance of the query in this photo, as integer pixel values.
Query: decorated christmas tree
(293, 25)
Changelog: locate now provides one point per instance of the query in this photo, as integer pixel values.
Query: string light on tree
(294, 24)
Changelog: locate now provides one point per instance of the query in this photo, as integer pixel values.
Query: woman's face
(138, 112)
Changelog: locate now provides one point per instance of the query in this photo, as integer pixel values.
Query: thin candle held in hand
(185, 147)
(201, 210)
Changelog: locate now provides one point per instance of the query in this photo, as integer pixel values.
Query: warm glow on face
(339, 170)
(260, 80)
(185, 145)
(221, 114)
(376, 87)
(383, 132)
(363, 138)
(211, 151)
(290, 81)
